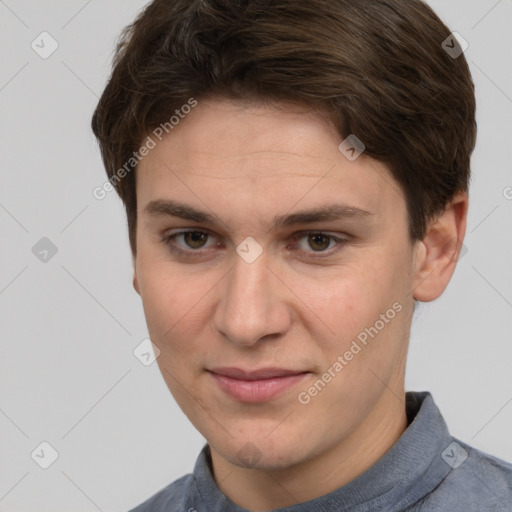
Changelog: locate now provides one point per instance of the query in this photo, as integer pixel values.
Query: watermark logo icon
(249, 454)
(454, 455)
(451, 248)
(146, 352)
(455, 45)
(44, 250)
(351, 147)
(44, 455)
(44, 45)
(249, 250)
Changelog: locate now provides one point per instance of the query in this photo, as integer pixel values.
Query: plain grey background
(69, 325)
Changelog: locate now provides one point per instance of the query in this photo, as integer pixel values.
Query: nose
(253, 303)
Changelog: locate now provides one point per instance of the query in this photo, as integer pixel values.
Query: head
(259, 237)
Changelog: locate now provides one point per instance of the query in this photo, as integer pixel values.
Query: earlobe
(135, 281)
(440, 250)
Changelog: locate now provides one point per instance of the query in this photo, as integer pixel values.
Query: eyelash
(168, 240)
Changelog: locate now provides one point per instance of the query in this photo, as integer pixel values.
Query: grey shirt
(426, 470)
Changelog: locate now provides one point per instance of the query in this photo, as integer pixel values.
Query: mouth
(255, 386)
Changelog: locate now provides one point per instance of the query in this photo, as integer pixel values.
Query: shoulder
(476, 481)
(173, 498)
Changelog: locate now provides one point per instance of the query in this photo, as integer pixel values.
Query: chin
(263, 453)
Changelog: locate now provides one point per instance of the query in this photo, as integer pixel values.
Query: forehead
(263, 158)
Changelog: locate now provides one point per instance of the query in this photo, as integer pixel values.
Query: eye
(193, 240)
(320, 242)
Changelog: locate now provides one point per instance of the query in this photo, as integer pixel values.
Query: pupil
(316, 241)
(194, 238)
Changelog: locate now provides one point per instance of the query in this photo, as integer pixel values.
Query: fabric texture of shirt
(426, 470)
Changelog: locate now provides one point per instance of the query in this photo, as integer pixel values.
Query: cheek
(345, 297)
(173, 300)
(351, 299)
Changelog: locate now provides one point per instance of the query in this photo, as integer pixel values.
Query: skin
(246, 163)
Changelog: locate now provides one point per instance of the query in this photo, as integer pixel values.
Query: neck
(256, 489)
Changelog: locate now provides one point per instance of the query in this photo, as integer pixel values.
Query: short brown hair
(377, 68)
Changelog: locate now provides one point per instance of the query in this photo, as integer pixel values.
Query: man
(295, 177)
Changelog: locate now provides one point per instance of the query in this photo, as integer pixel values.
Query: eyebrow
(328, 212)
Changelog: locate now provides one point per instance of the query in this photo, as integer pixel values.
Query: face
(276, 278)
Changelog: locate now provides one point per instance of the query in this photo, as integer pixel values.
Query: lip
(256, 385)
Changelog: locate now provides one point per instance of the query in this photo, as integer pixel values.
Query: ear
(135, 280)
(440, 249)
